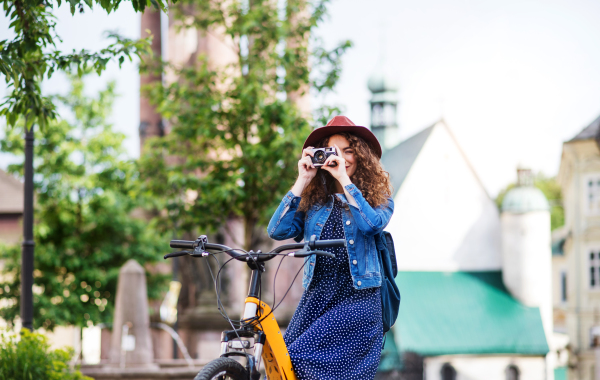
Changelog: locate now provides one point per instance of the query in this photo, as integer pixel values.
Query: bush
(28, 356)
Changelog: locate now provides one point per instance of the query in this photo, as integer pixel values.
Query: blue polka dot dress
(336, 331)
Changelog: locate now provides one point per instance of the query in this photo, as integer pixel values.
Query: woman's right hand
(306, 172)
(306, 169)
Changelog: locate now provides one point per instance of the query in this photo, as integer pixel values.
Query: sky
(513, 79)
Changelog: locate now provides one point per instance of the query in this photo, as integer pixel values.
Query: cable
(288, 290)
(219, 304)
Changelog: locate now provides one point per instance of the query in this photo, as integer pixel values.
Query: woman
(336, 331)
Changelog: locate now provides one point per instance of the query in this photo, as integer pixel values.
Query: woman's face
(346, 152)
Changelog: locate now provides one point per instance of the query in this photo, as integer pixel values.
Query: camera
(320, 155)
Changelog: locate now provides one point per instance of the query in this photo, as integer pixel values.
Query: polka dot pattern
(336, 331)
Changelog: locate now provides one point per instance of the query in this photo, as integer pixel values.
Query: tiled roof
(11, 194)
(465, 313)
(398, 160)
(589, 132)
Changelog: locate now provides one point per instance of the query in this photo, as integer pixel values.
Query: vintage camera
(320, 155)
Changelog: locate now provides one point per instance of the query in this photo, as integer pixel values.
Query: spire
(384, 101)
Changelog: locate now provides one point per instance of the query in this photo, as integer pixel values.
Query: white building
(475, 284)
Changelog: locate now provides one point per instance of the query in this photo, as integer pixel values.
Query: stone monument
(131, 343)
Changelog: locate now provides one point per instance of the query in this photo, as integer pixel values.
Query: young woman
(336, 331)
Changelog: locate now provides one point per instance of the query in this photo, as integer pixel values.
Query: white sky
(514, 78)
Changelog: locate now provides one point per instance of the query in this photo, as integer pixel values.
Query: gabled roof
(398, 160)
(589, 132)
(11, 194)
(446, 313)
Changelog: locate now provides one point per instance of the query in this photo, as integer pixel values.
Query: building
(11, 209)
(475, 282)
(577, 249)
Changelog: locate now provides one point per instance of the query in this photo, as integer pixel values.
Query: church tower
(526, 255)
(384, 104)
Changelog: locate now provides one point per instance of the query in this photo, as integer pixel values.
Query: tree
(235, 131)
(25, 61)
(551, 189)
(85, 232)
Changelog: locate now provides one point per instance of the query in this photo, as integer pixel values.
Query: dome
(382, 79)
(523, 199)
(382, 82)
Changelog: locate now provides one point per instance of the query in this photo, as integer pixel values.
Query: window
(383, 114)
(594, 269)
(595, 336)
(563, 286)
(512, 372)
(448, 372)
(593, 195)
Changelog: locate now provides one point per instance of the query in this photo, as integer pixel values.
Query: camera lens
(320, 156)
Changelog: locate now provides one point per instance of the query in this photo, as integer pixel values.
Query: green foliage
(31, 56)
(235, 130)
(28, 356)
(85, 232)
(551, 189)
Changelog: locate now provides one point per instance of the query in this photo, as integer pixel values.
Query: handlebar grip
(184, 244)
(330, 243)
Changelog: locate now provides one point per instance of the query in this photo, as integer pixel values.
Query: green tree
(236, 131)
(29, 356)
(85, 232)
(551, 189)
(25, 61)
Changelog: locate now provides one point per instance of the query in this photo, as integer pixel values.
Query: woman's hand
(306, 169)
(338, 171)
(306, 172)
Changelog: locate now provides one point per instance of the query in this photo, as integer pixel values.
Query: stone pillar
(131, 310)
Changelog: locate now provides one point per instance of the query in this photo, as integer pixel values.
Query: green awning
(444, 313)
(560, 373)
(390, 356)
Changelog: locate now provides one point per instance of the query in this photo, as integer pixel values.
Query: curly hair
(369, 177)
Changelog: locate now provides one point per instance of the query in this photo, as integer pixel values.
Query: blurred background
(489, 116)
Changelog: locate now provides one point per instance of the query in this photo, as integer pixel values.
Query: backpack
(390, 294)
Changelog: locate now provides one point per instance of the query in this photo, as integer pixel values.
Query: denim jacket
(361, 224)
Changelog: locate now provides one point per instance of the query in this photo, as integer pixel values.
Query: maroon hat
(343, 124)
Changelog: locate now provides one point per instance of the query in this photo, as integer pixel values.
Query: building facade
(578, 251)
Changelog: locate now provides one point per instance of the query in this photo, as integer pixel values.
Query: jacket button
(348, 222)
(359, 283)
(351, 241)
(355, 262)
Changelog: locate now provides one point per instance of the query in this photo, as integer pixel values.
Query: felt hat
(343, 124)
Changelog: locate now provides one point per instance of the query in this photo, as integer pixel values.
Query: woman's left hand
(339, 171)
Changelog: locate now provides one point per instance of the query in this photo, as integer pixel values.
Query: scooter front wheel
(223, 369)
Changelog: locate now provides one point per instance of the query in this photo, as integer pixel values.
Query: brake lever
(195, 253)
(176, 254)
(303, 253)
(322, 253)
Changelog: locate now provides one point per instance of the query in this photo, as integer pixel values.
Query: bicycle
(258, 329)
